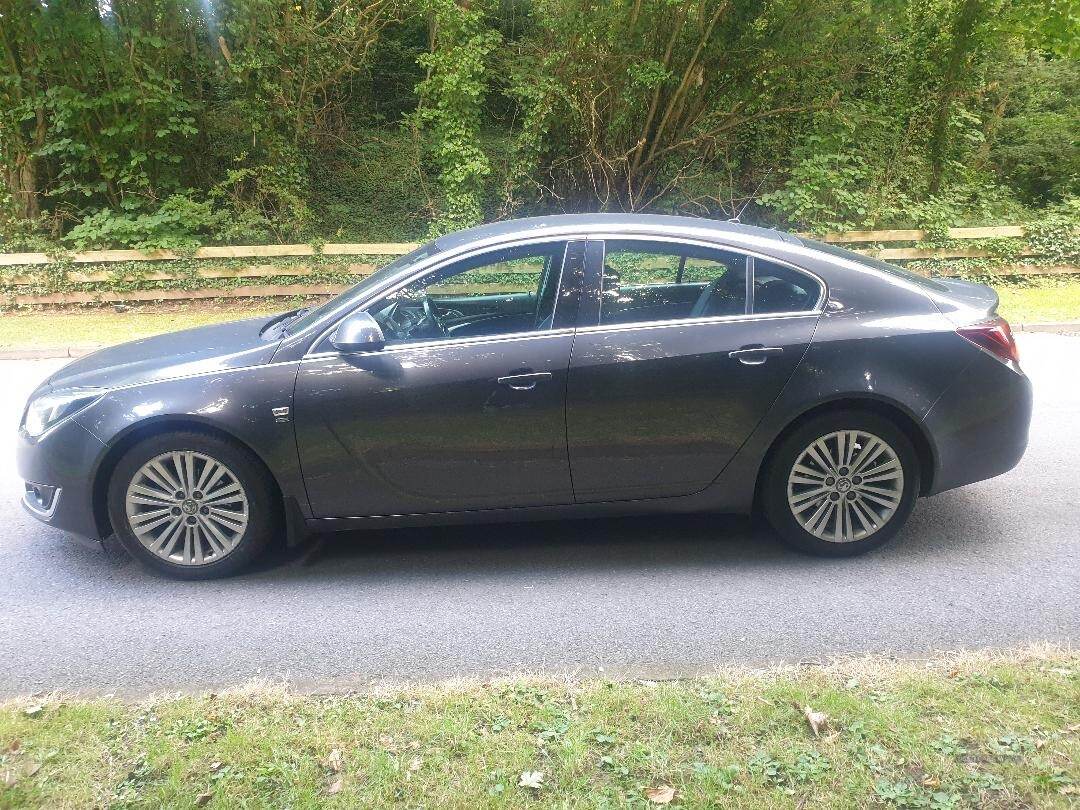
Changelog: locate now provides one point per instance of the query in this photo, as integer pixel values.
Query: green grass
(104, 327)
(961, 731)
(1042, 302)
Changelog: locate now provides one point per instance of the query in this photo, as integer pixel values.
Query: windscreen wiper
(283, 319)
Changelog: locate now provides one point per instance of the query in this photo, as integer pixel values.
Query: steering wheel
(390, 322)
(431, 316)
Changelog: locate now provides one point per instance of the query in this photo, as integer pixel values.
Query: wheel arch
(155, 427)
(904, 419)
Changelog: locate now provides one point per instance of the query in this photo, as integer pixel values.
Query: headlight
(46, 410)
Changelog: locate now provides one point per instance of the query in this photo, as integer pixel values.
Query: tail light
(995, 336)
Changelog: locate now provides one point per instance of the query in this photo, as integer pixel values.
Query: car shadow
(942, 530)
(598, 543)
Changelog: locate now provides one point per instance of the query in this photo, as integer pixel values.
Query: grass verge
(975, 730)
(47, 329)
(1041, 303)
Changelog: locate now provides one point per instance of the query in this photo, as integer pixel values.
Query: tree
(452, 103)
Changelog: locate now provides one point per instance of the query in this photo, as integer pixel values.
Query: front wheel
(841, 484)
(191, 506)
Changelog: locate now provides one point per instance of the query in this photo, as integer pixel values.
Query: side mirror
(358, 333)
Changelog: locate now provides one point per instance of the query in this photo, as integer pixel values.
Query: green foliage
(1056, 236)
(1036, 148)
(172, 226)
(824, 192)
(18, 233)
(452, 98)
(373, 188)
(172, 123)
(906, 793)
(623, 103)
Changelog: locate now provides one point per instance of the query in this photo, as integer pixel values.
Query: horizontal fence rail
(400, 248)
(159, 271)
(222, 252)
(993, 232)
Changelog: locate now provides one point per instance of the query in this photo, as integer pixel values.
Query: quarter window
(778, 288)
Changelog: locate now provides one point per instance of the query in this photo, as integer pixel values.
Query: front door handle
(755, 355)
(524, 382)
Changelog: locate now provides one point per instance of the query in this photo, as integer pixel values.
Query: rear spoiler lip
(966, 302)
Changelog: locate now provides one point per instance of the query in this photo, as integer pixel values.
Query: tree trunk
(963, 43)
(21, 181)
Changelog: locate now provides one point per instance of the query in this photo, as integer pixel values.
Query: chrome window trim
(818, 308)
(706, 239)
(765, 316)
(443, 342)
(438, 262)
(708, 235)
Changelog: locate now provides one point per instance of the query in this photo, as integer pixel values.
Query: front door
(691, 348)
(464, 408)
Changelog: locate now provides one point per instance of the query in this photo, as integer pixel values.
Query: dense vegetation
(167, 123)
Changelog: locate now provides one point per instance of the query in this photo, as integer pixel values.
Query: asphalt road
(991, 565)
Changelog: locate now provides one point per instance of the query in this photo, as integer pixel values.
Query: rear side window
(659, 281)
(778, 288)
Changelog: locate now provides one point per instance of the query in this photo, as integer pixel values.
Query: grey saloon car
(542, 368)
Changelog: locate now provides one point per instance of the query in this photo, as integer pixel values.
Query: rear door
(683, 354)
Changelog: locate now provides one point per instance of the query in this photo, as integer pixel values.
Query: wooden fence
(161, 272)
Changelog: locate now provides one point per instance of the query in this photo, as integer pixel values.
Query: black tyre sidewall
(774, 495)
(248, 470)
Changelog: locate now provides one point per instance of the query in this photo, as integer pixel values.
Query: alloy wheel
(845, 486)
(187, 507)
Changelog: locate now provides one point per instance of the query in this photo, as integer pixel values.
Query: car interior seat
(724, 295)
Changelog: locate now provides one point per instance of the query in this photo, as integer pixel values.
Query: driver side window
(501, 292)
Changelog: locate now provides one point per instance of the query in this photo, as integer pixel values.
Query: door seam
(566, 418)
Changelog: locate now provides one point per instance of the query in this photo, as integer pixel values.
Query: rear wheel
(841, 484)
(190, 505)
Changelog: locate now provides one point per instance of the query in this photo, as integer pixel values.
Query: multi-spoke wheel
(187, 507)
(191, 505)
(841, 484)
(845, 486)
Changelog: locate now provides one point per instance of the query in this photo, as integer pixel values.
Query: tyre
(192, 506)
(841, 484)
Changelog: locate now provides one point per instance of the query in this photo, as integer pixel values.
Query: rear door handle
(755, 355)
(524, 382)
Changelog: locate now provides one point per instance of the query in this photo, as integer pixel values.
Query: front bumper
(980, 424)
(63, 461)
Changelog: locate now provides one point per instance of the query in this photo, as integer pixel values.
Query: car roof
(657, 224)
